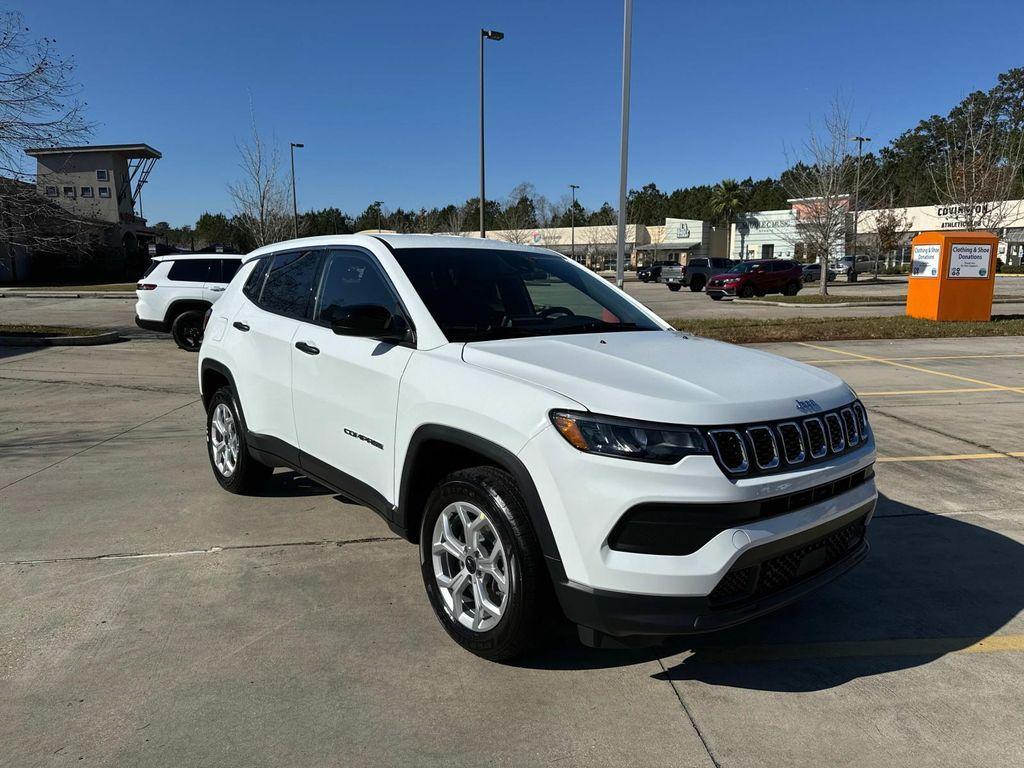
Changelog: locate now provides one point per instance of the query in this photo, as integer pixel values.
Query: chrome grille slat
(792, 429)
(836, 437)
(765, 449)
(850, 423)
(728, 443)
(817, 440)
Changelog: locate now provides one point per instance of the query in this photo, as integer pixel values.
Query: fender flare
(178, 306)
(495, 453)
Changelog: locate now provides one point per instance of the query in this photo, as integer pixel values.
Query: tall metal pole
(856, 194)
(627, 45)
(572, 218)
(483, 227)
(295, 204)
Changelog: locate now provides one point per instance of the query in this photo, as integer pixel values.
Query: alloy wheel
(470, 566)
(224, 440)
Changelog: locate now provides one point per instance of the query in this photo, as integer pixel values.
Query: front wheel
(187, 330)
(233, 466)
(746, 292)
(674, 287)
(481, 563)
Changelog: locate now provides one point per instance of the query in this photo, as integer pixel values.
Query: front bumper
(719, 290)
(635, 593)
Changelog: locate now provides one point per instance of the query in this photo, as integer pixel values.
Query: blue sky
(384, 95)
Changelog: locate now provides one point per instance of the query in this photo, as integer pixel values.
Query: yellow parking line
(913, 367)
(954, 457)
(844, 360)
(930, 391)
(933, 646)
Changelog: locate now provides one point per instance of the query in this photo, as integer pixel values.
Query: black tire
(187, 330)
(249, 475)
(791, 289)
(494, 492)
(697, 284)
(716, 297)
(674, 287)
(746, 292)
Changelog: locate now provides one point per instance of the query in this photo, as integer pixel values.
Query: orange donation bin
(952, 275)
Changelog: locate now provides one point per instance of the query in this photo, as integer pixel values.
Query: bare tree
(453, 219)
(820, 179)
(982, 163)
(39, 107)
(518, 215)
(260, 197)
(892, 230)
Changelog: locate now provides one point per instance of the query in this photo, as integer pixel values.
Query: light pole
(572, 218)
(485, 34)
(295, 205)
(856, 194)
(377, 204)
(627, 45)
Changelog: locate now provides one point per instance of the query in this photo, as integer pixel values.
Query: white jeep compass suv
(176, 291)
(528, 424)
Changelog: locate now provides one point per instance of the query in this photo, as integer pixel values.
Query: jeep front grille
(749, 449)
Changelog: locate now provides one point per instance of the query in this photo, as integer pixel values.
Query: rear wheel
(187, 330)
(481, 563)
(233, 466)
(791, 289)
(674, 287)
(697, 284)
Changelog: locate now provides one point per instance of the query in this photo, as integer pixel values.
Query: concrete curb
(110, 337)
(846, 303)
(67, 295)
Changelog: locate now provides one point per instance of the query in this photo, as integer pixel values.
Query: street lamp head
(574, 186)
(298, 146)
(861, 138)
(492, 34)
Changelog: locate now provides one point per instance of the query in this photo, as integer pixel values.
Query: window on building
(86, 191)
(51, 191)
(104, 191)
(102, 175)
(69, 191)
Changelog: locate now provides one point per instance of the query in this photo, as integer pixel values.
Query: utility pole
(485, 34)
(377, 204)
(627, 45)
(295, 205)
(572, 218)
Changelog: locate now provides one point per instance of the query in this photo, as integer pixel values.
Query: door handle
(309, 349)
(240, 326)
(218, 289)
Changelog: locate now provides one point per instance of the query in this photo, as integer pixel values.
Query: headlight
(624, 439)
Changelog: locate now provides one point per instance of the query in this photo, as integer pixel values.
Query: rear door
(220, 273)
(186, 279)
(279, 294)
(345, 389)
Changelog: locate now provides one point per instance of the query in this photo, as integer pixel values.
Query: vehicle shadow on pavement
(290, 483)
(931, 585)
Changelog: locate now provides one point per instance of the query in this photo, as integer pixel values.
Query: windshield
(743, 268)
(478, 295)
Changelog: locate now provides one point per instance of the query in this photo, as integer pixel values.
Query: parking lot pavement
(148, 618)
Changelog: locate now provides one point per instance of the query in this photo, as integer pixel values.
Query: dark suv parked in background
(756, 278)
(652, 272)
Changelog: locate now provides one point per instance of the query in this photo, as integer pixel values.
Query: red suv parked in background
(756, 278)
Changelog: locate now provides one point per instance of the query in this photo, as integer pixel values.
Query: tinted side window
(254, 283)
(721, 262)
(350, 278)
(289, 283)
(698, 262)
(190, 270)
(228, 267)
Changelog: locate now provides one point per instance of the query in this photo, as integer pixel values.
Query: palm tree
(728, 198)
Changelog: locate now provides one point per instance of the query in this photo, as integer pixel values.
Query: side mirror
(371, 321)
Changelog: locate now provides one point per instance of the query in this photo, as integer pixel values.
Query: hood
(663, 376)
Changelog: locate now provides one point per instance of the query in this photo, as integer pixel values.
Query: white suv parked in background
(528, 424)
(176, 291)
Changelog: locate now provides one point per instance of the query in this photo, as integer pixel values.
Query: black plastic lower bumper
(151, 325)
(625, 615)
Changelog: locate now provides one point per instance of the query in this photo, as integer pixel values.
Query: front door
(345, 388)
(265, 326)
